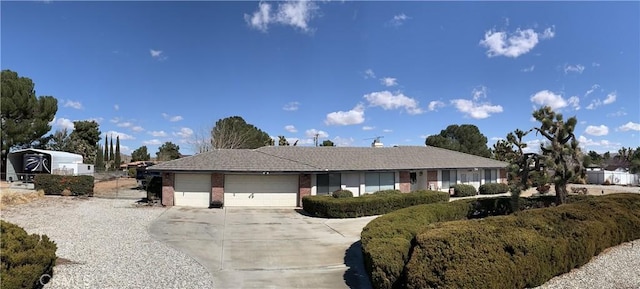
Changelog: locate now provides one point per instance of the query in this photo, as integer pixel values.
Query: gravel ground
(107, 245)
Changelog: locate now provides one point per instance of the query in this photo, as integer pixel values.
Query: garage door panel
(261, 190)
(192, 190)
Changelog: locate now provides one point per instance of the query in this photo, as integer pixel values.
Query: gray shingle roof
(317, 159)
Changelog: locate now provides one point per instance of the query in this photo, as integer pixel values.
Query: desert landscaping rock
(107, 245)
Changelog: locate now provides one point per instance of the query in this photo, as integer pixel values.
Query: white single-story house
(23, 164)
(282, 175)
(619, 176)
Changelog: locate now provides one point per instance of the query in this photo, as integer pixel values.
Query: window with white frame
(379, 181)
(449, 178)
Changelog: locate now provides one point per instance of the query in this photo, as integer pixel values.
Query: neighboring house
(23, 165)
(281, 176)
(612, 176)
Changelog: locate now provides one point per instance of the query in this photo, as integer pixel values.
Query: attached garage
(261, 190)
(192, 190)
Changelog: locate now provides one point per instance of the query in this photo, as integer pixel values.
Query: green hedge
(387, 192)
(462, 190)
(25, 258)
(56, 184)
(369, 205)
(521, 250)
(493, 188)
(386, 240)
(342, 194)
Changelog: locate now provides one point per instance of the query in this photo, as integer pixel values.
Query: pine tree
(117, 156)
(99, 165)
(111, 156)
(106, 149)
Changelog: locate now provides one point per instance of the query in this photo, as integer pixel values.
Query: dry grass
(11, 198)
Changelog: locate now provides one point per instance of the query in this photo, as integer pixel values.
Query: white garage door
(261, 190)
(192, 190)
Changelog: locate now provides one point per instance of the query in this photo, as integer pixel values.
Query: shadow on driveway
(356, 276)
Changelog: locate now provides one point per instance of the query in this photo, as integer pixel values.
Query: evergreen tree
(117, 160)
(106, 148)
(111, 156)
(99, 165)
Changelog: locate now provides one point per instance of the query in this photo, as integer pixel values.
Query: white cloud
(630, 126)
(617, 113)
(595, 64)
(123, 136)
(549, 33)
(290, 128)
(368, 127)
(578, 68)
(479, 92)
(171, 118)
(115, 120)
(399, 19)
(291, 106)
(354, 116)
(158, 133)
(528, 69)
(96, 119)
(387, 100)
(611, 98)
(124, 124)
(387, 130)
(585, 142)
(125, 149)
(62, 123)
(593, 88)
(152, 142)
(137, 128)
(574, 101)
(597, 130)
(289, 13)
(388, 81)
(184, 132)
(73, 104)
(369, 74)
(476, 110)
(434, 105)
(157, 54)
(548, 98)
(343, 142)
(116, 107)
(312, 133)
(503, 43)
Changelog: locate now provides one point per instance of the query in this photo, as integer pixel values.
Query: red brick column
(217, 187)
(167, 189)
(503, 175)
(304, 185)
(405, 181)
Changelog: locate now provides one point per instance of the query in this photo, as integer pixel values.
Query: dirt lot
(592, 190)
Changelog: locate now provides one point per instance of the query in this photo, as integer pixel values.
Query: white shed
(24, 164)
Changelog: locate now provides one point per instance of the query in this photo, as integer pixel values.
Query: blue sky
(349, 71)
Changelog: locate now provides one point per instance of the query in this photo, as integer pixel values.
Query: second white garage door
(261, 190)
(192, 190)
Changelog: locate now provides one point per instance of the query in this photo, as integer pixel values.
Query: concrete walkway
(267, 248)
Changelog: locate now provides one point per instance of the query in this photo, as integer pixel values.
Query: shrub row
(493, 188)
(368, 205)
(57, 184)
(25, 258)
(386, 240)
(342, 194)
(462, 190)
(522, 250)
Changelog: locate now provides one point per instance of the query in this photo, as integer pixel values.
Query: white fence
(612, 177)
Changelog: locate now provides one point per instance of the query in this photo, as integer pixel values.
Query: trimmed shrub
(387, 192)
(57, 184)
(342, 194)
(493, 188)
(322, 206)
(522, 250)
(387, 240)
(25, 258)
(462, 190)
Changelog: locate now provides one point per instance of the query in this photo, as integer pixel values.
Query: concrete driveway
(267, 248)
